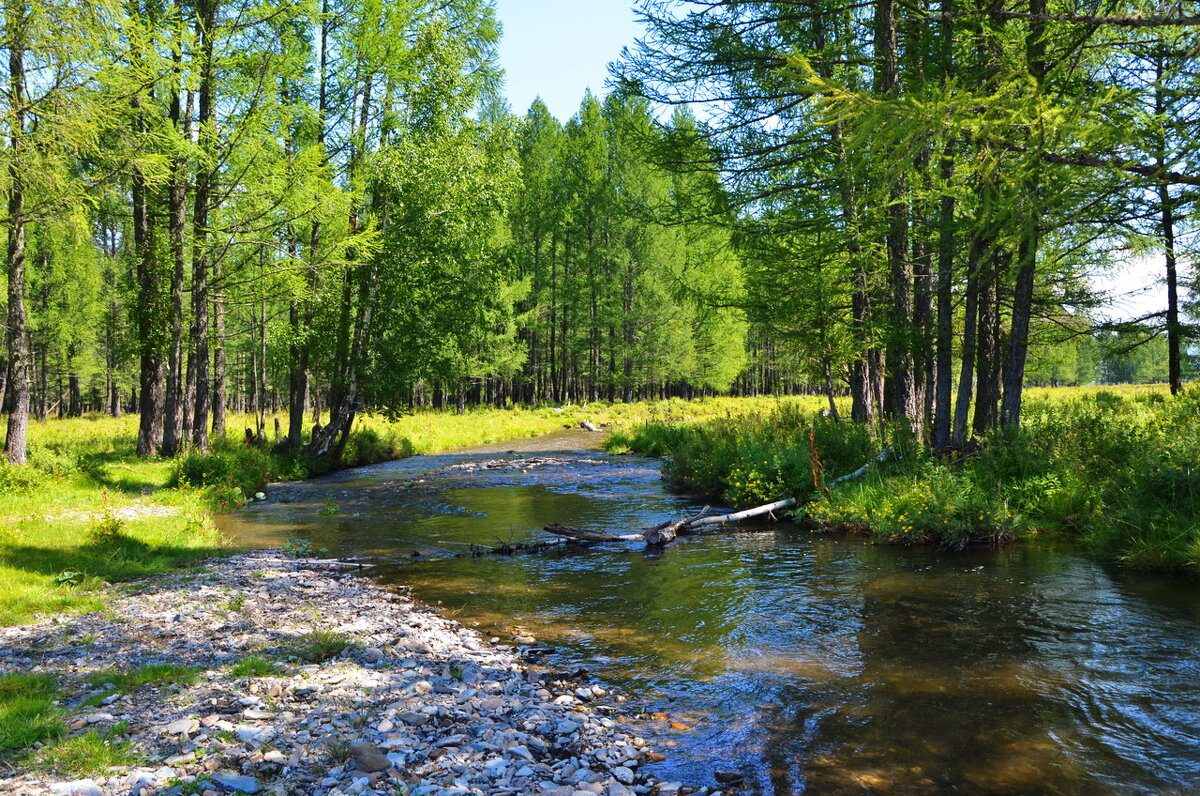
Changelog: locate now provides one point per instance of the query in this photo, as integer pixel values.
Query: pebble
(420, 705)
(80, 787)
(368, 758)
(237, 782)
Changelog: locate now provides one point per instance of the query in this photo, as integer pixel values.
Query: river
(810, 663)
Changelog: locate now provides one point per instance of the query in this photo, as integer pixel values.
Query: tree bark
(945, 307)
(206, 11)
(966, 374)
(15, 444)
(177, 219)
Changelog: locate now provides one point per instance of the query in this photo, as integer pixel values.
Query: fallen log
(745, 514)
(587, 426)
(668, 531)
(591, 536)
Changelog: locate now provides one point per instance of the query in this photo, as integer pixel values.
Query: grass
(318, 646)
(254, 666)
(129, 681)
(28, 713)
(86, 511)
(89, 754)
(1116, 470)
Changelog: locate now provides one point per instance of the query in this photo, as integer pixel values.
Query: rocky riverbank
(261, 673)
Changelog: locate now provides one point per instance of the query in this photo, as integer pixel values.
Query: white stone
(79, 787)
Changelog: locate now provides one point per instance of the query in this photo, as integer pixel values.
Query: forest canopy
(327, 207)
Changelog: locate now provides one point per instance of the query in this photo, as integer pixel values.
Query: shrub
(53, 462)
(240, 471)
(107, 529)
(20, 480)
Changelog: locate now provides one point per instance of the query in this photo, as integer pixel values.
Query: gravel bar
(418, 704)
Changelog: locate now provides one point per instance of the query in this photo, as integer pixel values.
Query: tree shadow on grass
(110, 470)
(124, 559)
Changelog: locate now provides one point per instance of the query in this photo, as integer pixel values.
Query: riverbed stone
(236, 782)
(454, 716)
(368, 758)
(79, 787)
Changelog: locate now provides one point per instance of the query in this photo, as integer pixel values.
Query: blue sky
(557, 48)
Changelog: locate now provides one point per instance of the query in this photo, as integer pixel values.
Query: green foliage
(254, 666)
(234, 471)
(754, 459)
(90, 754)
(1120, 472)
(126, 682)
(20, 480)
(107, 529)
(27, 711)
(318, 646)
(371, 446)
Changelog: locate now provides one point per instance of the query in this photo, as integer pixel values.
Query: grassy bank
(1118, 471)
(87, 511)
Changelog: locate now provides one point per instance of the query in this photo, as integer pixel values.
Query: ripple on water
(810, 663)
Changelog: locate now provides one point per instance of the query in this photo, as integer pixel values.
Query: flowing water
(809, 663)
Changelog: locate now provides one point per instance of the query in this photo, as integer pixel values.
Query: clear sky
(557, 48)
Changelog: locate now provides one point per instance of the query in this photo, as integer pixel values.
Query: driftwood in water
(667, 531)
(581, 535)
(757, 511)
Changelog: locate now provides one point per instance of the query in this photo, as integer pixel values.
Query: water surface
(809, 663)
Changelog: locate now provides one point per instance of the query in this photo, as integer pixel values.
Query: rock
(624, 775)
(255, 735)
(617, 789)
(368, 758)
(414, 719)
(182, 727)
(522, 752)
(236, 782)
(373, 655)
(728, 777)
(80, 787)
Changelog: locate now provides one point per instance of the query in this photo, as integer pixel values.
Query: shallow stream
(809, 663)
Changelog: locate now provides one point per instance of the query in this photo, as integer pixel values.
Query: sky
(556, 49)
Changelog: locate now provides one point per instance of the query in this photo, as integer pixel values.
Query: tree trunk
(1022, 305)
(206, 11)
(18, 346)
(177, 219)
(945, 306)
(966, 375)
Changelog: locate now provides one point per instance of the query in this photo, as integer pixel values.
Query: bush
(368, 446)
(53, 462)
(239, 471)
(1121, 473)
(20, 480)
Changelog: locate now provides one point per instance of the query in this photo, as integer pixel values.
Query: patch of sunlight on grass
(89, 754)
(27, 711)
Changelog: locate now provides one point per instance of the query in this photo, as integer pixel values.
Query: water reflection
(810, 663)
